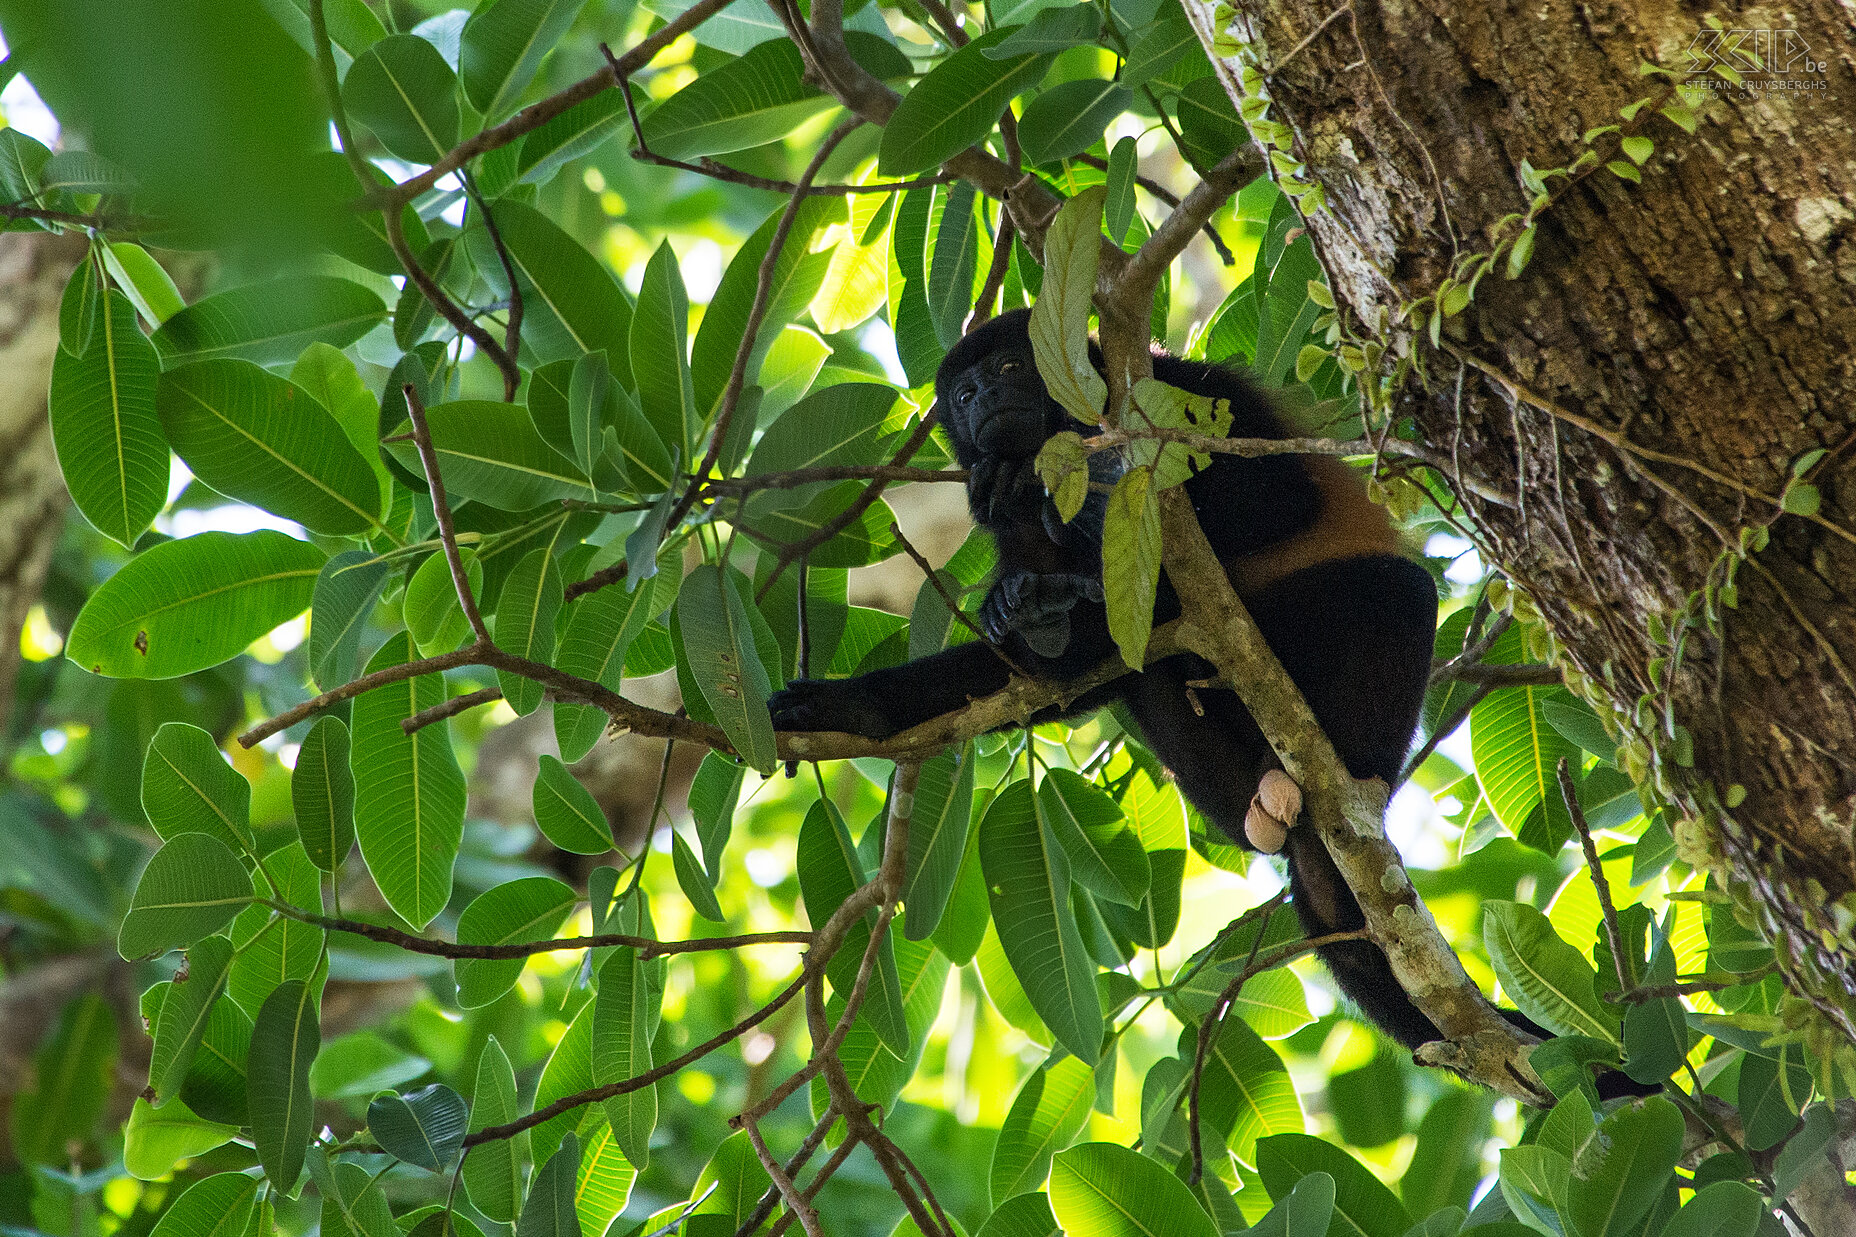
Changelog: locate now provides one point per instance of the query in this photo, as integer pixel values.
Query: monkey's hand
(1037, 606)
(1005, 489)
(1273, 811)
(830, 704)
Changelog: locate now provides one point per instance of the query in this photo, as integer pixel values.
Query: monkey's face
(1001, 404)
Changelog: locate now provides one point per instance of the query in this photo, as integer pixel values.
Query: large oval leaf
(490, 451)
(493, 1170)
(600, 629)
(570, 302)
(1070, 117)
(285, 1038)
(105, 428)
(937, 838)
(525, 613)
(728, 669)
(1245, 1093)
(187, 787)
(1028, 880)
(185, 605)
(192, 887)
(567, 813)
(270, 323)
(744, 103)
(1048, 1111)
(255, 437)
(403, 90)
(219, 1206)
(503, 44)
(409, 791)
(1363, 1206)
(322, 794)
(1548, 978)
(622, 1050)
(346, 590)
(184, 1013)
(1620, 1172)
(829, 871)
(518, 911)
(1102, 1190)
(955, 106)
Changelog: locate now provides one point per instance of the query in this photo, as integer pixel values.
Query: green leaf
(409, 791)
(738, 105)
(185, 605)
(273, 948)
(938, 830)
(1060, 319)
(578, 131)
(1123, 165)
(729, 672)
(1208, 123)
(1516, 750)
(604, 1183)
(950, 270)
(143, 281)
(72, 1077)
(270, 323)
(660, 352)
(525, 614)
(322, 794)
(1103, 1190)
(1056, 29)
(570, 302)
(1801, 499)
(255, 437)
(600, 629)
(737, 1178)
(489, 451)
(917, 346)
(80, 309)
(694, 881)
(829, 872)
(1307, 1212)
(1621, 1170)
(1724, 1209)
(798, 274)
(1158, 48)
(622, 1051)
(340, 603)
(876, 1074)
(713, 795)
(1027, 1215)
(1131, 563)
(1245, 1093)
(353, 1204)
(285, 1037)
(549, 1209)
(841, 424)
(193, 887)
(503, 45)
(955, 106)
(567, 812)
(1028, 880)
(434, 617)
(493, 1170)
(856, 282)
(403, 90)
(219, 1206)
(215, 1088)
(1048, 1112)
(1070, 117)
(1446, 1165)
(105, 427)
(425, 1127)
(514, 912)
(1105, 856)
(184, 1013)
(1362, 1206)
(188, 787)
(1549, 979)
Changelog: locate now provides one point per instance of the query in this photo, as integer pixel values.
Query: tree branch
(647, 947)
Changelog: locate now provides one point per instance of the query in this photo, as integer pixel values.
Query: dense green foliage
(1061, 975)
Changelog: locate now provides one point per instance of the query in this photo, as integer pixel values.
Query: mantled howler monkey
(1317, 564)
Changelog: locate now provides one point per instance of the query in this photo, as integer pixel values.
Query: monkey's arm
(883, 702)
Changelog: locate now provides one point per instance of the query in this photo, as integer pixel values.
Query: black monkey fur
(1317, 564)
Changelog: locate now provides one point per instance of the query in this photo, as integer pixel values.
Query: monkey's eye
(965, 395)
(1008, 366)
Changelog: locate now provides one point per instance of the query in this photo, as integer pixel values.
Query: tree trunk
(33, 270)
(1643, 389)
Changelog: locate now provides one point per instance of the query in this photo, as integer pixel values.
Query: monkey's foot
(1273, 811)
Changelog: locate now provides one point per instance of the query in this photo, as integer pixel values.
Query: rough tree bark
(33, 270)
(1707, 316)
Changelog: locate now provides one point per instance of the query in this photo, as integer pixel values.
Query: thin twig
(646, 947)
(538, 114)
(1614, 936)
(450, 708)
(1167, 196)
(763, 296)
(764, 1208)
(1445, 727)
(512, 331)
(441, 510)
(831, 472)
(1209, 1026)
(592, 1095)
(598, 580)
(1526, 674)
(995, 272)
